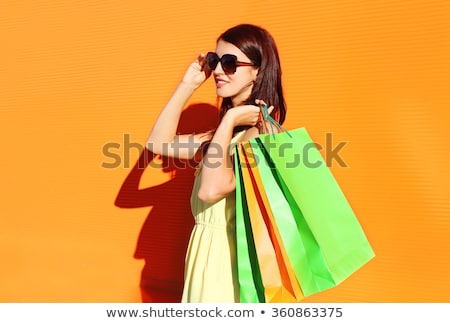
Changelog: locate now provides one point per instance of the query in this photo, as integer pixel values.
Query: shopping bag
(251, 288)
(303, 251)
(318, 204)
(277, 275)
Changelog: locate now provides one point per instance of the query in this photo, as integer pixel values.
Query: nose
(218, 70)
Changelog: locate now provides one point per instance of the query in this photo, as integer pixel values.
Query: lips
(220, 82)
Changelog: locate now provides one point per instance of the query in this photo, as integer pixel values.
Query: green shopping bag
(336, 242)
(251, 288)
(303, 250)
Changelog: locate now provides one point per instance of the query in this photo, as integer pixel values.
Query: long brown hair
(259, 46)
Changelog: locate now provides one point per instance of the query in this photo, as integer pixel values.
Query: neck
(242, 94)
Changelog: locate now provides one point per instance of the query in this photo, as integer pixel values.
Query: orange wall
(76, 76)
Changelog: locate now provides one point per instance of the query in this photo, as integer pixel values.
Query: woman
(247, 73)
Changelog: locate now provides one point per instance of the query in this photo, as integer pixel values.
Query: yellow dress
(210, 271)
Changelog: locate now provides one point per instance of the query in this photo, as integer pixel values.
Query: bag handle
(266, 117)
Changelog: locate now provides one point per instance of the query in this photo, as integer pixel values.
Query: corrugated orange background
(76, 76)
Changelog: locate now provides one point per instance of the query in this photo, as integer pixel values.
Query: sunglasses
(229, 62)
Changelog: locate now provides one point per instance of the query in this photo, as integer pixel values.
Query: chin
(223, 93)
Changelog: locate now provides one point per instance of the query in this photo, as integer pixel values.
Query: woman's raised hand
(197, 72)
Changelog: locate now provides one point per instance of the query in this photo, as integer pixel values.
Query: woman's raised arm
(163, 139)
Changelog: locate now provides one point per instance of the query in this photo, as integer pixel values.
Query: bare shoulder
(250, 133)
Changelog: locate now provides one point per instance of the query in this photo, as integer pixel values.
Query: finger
(270, 109)
(201, 59)
(253, 108)
(260, 102)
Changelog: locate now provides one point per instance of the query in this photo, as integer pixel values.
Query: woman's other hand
(246, 115)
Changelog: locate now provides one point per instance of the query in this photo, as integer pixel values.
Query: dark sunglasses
(229, 62)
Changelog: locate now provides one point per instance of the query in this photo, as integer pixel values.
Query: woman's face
(237, 86)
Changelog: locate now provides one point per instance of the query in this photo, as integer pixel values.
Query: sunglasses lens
(228, 63)
(212, 60)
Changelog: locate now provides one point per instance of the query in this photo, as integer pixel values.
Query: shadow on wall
(164, 236)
